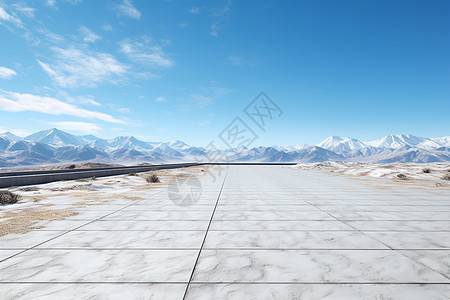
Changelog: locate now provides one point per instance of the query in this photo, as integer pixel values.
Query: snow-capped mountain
(341, 144)
(55, 137)
(129, 142)
(54, 146)
(397, 141)
(10, 136)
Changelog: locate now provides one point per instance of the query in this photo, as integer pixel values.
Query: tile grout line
(68, 231)
(204, 238)
(398, 251)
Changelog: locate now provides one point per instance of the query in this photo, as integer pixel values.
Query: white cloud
(82, 127)
(6, 73)
(47, 68)
(209, 95)
(235, 60)
(4, 15)
(146, 52)
(10, 18)
(88, 35)
(85, 100)
(160, 99)
(18, 132)
(50, 2)
(27, 11)
(221, 14)
(73, 68)
(16, 102)
(127, 9)
(195, 10)
(107, 27)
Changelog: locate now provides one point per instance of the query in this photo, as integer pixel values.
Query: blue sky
(165, 70)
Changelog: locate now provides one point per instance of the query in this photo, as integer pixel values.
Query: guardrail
(9, 179)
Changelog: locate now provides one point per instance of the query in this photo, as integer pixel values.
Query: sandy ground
(423, 174)
(38, 204)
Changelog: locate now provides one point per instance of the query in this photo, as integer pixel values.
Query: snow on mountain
(295, 147)
(397, 141)
(442, 141)
(178, 145)
(11, 136)
(341, 144)
(129, 142)
(98, 143)
(90, 137)
(315, 154)
(166, 150)
(55, 137)
(56, 146)
(4, 143)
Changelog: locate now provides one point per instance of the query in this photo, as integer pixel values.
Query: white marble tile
(291, 240)
(265, 207)
(238, 201)
(413, 240)
(359, 266)
(89, 214)
(7, 253)
(171, 207)
(160, 215)
(270, 215)
(401, 225)
(318, 291)
(438, 260)
(59, 225)
(146, 225)
(99, 266)
(27, 240)
(127, 239)
(105, 291)
(387, 208)
(278, 225)
(392, 215)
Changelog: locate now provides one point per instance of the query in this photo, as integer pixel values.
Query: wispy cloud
(52, 3)
(146, 52)
(18, 132)
(16, 102)
(73, 67)
(235, 60)
(27, 11)
(160, 99)
(6, 73)
(239, 60)
(206, 96)
(194, 10)
(107, 27)
(127, 9)
(221, 15)
(81, 127)
(12, 18)
(88, 35)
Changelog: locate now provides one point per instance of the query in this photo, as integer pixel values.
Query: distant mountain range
(54, 146)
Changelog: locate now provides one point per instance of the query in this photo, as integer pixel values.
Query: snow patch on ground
(419, 171)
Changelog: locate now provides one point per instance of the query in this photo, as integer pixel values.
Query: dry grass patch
(25, 221)
(153, 179)
(7, 197)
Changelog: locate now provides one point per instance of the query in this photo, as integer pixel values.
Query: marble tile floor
(257, 232)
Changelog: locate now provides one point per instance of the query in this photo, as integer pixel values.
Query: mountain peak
(11, 136)
(56, 137)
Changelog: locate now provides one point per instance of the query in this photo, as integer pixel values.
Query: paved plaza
(256, 232)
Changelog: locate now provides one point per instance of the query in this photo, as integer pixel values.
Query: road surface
(256, 232)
